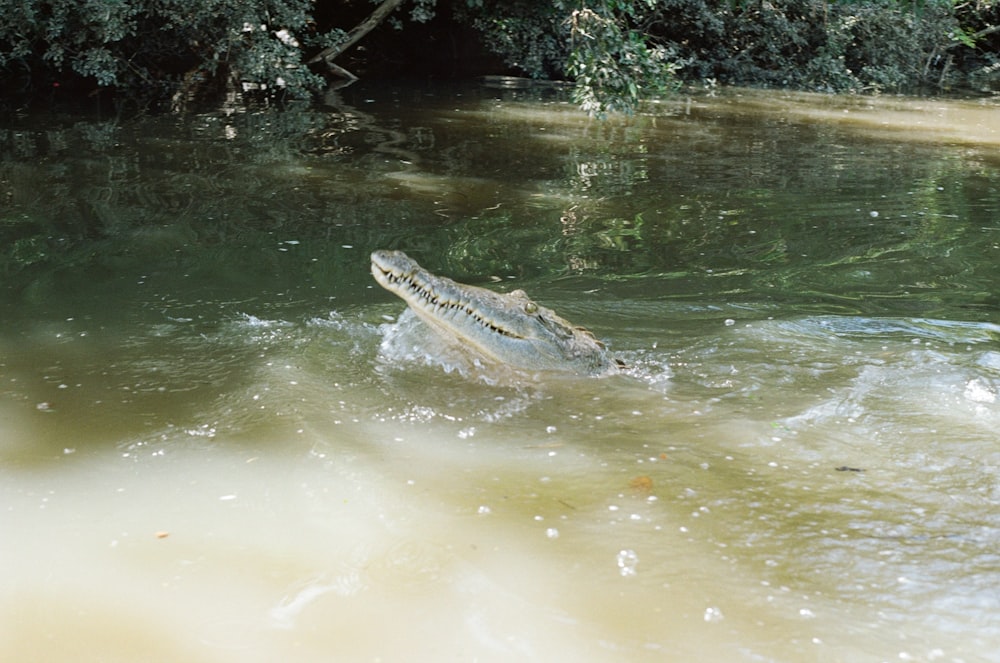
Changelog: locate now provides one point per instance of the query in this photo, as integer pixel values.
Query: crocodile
(510, 329)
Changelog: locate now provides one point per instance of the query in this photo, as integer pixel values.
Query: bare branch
(359, 31)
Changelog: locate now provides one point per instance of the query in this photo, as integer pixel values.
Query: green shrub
(617, 51)
(813, 44)
(153, 45)
(528, 34)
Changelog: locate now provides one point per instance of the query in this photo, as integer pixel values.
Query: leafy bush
(879, 46)
(152, 45)
(617, 51)
(600, 47)
(614, 65)
(814, 44)
(528, 34)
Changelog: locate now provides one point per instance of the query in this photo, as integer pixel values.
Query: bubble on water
(713, 614)
(627, 561)
(484, 510)
(729, 322)
(552, 533)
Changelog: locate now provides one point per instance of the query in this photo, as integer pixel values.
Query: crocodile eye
(530, 308)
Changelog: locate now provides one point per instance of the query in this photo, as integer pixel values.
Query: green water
(221, 441)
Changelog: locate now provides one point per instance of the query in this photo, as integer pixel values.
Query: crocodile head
(508, 328)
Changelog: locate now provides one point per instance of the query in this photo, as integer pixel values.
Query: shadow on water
(214, 422)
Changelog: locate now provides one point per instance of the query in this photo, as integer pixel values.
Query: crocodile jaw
(508, 328)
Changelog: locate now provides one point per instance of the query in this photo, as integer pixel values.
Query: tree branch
(359, 31)
(975, 35)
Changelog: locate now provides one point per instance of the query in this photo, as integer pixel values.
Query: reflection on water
(221, 441)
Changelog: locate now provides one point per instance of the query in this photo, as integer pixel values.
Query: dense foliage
(616, 51)
(150, 47)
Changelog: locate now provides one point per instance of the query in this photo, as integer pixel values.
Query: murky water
(221, 441)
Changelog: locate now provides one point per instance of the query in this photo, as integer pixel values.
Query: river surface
(221, 441)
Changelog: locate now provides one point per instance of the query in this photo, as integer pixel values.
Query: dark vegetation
(173, 52)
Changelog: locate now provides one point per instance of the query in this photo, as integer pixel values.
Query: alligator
(509, 329)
